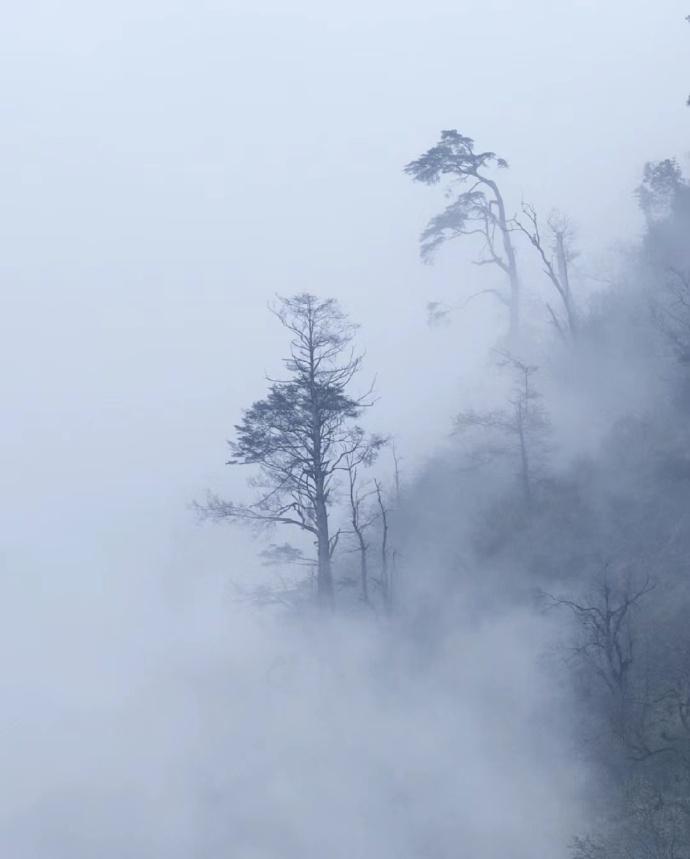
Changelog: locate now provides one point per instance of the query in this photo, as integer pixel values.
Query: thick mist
(167, 170)
(223, 735)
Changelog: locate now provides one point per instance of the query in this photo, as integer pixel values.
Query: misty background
(167, 169)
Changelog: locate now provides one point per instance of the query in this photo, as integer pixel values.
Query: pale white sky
(168, 166)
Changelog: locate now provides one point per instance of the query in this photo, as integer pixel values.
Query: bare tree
(386, 576)
(519, 431)
(606, 644)
(397, 459)
(671, 311)
(301, 435)
(556, 253)
(362, 517)
(604, 618)
(477, 211)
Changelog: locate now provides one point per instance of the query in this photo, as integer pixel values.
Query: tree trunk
(514, 332)
(524, 460)
(324, 575)
(564, 276)
(385, 576)
(510, 265)
(364, 570)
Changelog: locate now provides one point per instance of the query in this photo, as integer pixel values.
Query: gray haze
(166, 169)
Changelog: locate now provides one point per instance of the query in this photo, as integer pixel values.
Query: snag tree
(556, 253)
(519, 431)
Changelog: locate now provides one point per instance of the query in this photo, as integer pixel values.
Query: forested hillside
(568, 495)
(602, 537)
(346, 381)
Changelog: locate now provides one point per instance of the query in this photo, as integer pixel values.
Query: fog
(167, 170)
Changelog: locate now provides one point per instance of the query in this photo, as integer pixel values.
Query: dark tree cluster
(303, 437)
(600, 540)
